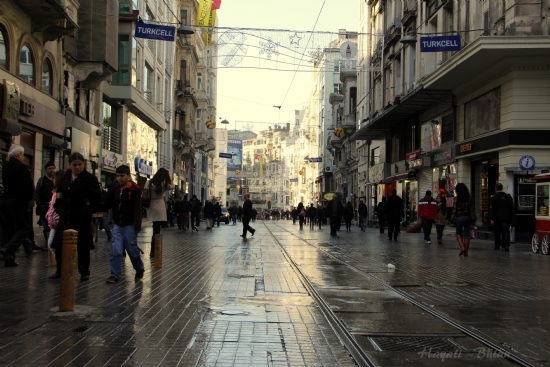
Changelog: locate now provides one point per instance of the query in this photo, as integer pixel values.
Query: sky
(246, 90)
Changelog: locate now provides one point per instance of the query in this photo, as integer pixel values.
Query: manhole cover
(233, 313)
(412, 344)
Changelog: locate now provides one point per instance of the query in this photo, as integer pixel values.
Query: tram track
(347, 339)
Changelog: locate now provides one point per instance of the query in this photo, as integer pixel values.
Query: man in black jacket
(394, 214)
(501, 215)
(334, 211)
(16, 204)
(43, 195)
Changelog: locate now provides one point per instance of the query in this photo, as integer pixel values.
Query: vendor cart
(541, 238)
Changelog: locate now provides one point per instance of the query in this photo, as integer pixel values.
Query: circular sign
(348, 50)
(238, 172)
(255, 174)
(238, 186)
(211, 124)
(527, 162)
(339, 132)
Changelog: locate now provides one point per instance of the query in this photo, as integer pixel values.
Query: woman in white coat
(156, 213)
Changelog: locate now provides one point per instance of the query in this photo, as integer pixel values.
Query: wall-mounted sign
(26, 108)
(109, 162)
(12, 98)
(155, 32)
(315, 160)
(466, 147)
(527, 162)
(143, 167)
(348, 50)
(412, 155)
(293, 180)
(443, 156)
(439, 43)
(416, 163)
(226, 155)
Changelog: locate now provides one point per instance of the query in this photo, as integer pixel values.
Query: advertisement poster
(235, 148)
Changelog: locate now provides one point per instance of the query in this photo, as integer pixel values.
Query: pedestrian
(196, 207)
(381, 214)
(42, 197)
(51, 215)
(185, 210)
(320, 217)
(501, 216)
(335, 210)
(463, 216)
(301, 214)
(178, 211)
(312, 214)
(363, 212)
(441, 217)
(348, 215)
(233, 211)
(427, 211)
(209, 214)
(294, 214)
(105, 220)
(125, 200)
(394, 214)
(247, 214)
(217, 212)
(156, 189)
(78, 197)
(16, 204)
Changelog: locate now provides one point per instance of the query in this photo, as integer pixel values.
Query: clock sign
(527, 162)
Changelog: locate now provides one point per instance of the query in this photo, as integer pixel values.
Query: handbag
(473, 233)
(146, 199)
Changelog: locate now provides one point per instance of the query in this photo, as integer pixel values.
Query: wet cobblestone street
(221, 301)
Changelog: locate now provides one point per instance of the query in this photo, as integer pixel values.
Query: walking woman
(301, 214)
(463, 216)
(441, 217)
(156, 213)
(77, 198)
(348, 215)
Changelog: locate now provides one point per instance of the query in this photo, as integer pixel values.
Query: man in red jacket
(427, 210)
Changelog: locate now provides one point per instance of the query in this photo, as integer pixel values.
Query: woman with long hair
(77, 198)
(463, 216)
(156, 187)
(348, 215)
(301, 214)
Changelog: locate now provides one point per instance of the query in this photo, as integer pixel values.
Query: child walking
(125, 200)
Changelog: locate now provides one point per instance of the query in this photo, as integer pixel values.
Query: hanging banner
(216, 4)
(211, 23)
(203, 14)
(155, 32)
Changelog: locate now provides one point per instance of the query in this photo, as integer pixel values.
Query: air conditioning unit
(328, 169)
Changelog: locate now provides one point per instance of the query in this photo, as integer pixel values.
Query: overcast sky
(247, 91)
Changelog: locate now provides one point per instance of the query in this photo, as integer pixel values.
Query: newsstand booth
(541, 238)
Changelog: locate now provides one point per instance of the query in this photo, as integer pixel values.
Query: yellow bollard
(158, 251)
(68, 271)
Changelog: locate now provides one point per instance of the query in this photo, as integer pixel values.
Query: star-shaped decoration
(295, 39)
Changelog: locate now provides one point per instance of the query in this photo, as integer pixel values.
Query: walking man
(125, 200)
(363, 213)
(334, 211)
(427, 211)
(394, 214)
(16, 204)
(247, 215)
(312, 214)
(501, 214)
(43, 195)
(196, 206)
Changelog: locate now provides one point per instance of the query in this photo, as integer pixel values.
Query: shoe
(55, 276)
(139, 275)
(439, 242)
(254, 231)
(113, 279)
(84, 277)
(243, 236)
(427, 241)
(196, 229)
(389, 238)
(506, 249)
(10, 263)
(36, 247)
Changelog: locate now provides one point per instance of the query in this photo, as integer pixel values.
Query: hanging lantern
(339, 132)
(211, 124)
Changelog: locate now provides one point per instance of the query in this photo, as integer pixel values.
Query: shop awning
(399, 177)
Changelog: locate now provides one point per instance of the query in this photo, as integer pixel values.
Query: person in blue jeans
(125, 200)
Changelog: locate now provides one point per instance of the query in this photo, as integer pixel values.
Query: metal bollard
(68, 271)
(158, 251)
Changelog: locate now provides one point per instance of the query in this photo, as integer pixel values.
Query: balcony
(54, 18)
(349, 123)
(178, 139)
(200, 139)
(336, 143)
(111, 139)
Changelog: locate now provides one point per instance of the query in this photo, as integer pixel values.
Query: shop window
(482, 115)
(47, 77)
(26, 64)
(542, 200)
(375, 156)
(4, 49)
(122, 75)
(447, 129)
(430, 136)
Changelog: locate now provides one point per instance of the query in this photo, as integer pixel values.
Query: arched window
(3, 49)
(47, 77)
(26, 65)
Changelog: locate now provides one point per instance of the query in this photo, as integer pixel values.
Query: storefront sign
(293, 180)
(416, 163)
(26, 108)
(109, 162)
(155, 32)
(12, 97)
(439, 43)
(443, 156)
(466, 147)
(511, 169)
(412, 155)
(143, 167)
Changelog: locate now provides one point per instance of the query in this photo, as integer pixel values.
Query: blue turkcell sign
(439, 43)
(226, 155)
(155, 32)
(316, 160)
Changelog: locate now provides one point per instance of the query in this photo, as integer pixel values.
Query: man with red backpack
(427, 211)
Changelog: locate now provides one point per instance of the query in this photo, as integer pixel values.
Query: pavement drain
(233, 313)
(412, 344)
